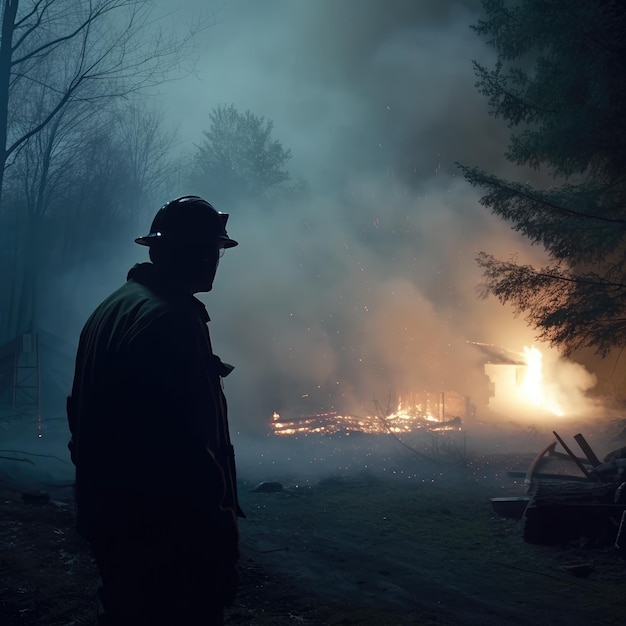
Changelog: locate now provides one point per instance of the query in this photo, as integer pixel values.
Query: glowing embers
(402, 420)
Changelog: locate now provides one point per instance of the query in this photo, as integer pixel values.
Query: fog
(368, 289)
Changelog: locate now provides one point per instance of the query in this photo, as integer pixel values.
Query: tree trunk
(9, 11)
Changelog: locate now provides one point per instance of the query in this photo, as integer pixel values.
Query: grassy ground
(383, 553)
(346, 550)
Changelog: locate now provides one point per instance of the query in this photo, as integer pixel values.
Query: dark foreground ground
(355, 547)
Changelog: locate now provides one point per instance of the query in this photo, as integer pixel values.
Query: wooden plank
(620, 540)
(574, 458)
(570, 491)
(547, 476)
(586, 448)
(528, 483)
(562, 455)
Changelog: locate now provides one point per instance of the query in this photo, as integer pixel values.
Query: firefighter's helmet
(188, 220)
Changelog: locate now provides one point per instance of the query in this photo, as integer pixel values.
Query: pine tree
(560, 83)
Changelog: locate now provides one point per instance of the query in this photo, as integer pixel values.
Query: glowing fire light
(402, 420)
(532, 386)
(519, 387)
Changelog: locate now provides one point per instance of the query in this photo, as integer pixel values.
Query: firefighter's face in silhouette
(203, 263)
(191, 266)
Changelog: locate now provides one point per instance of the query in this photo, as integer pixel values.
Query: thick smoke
(368, 289)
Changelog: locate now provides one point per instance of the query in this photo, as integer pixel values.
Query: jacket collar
(159, 282)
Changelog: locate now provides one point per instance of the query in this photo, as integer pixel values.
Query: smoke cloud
(368, 288)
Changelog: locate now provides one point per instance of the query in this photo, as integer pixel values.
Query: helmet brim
(152, 238)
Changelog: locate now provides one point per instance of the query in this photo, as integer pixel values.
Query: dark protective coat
(147, 414)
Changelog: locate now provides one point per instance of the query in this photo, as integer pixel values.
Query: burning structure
(427, 411)
(516, 387)
(520, 386)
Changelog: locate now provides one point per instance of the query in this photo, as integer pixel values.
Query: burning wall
(529, 385)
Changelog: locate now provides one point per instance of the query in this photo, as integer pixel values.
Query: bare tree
(240, 160)
(63, 65)
(55, 52)
(147, 148)
(84, 179)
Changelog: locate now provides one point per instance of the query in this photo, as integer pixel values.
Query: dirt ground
(380, 543)
(364, 550)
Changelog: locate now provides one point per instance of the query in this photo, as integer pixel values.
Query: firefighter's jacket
(147, 414)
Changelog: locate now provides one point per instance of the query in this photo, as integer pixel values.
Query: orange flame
(402, 420)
